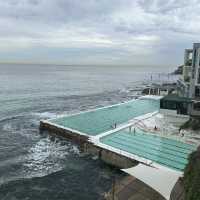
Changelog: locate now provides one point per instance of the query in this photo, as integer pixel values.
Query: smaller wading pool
(164, 151)
(101, 120)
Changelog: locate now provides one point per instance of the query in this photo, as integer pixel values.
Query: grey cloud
(160, 6)
(139, 27)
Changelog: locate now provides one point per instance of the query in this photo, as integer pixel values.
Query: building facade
(195, 78)
(185, 80)
(189, 83)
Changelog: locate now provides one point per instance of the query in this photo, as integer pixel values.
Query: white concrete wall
(195, 112)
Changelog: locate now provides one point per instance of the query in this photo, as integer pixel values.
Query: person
(182, 133)
(114, 126)
(134, 131)
(155, 128)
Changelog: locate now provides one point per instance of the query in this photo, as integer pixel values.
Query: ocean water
(36, 166)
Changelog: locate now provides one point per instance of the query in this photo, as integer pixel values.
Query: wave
(47, 156)
(11, 117)
(47, 115)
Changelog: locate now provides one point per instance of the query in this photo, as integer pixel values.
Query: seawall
(86, 146)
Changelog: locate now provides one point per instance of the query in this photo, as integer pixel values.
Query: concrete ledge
(53, 129)
(109, 157)
(86, 146)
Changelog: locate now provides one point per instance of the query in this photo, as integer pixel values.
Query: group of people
(181, 132)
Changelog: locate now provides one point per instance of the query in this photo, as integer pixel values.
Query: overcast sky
(135, 32)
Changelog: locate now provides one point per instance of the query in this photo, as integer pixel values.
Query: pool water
(164, 151)
(102, 120)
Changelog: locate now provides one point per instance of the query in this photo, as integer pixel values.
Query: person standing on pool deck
(130, 129)
(114, 126)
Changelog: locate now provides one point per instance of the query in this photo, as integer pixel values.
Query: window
(196, 106)
(189, 62)
(197, 91)
(193, 63)
(198, 80)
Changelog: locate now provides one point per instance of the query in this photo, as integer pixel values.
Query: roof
(160, 180)
(176, 98)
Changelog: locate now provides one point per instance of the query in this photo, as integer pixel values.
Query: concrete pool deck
(94, 130)
(118, 136)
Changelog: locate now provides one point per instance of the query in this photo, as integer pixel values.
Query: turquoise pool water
(164, 151)
(101, 120)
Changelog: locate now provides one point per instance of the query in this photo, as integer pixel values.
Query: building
(184, 81)
(172, 102)
(189, 83)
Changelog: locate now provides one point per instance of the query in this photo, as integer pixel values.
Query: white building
(189, 83)
(195, 78)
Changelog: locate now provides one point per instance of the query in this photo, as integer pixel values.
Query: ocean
(36, 166)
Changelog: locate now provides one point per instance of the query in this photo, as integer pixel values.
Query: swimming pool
(164, 151)
(101, 120)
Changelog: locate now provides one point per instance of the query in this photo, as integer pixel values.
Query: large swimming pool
(168, 152)
(102, 120)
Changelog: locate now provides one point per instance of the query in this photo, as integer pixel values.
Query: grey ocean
(35, 166)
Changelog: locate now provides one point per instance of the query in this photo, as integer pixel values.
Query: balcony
(188, 62)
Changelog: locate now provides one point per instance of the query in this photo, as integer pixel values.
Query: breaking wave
(47, 156)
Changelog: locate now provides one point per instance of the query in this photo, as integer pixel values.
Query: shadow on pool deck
(130, 188)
